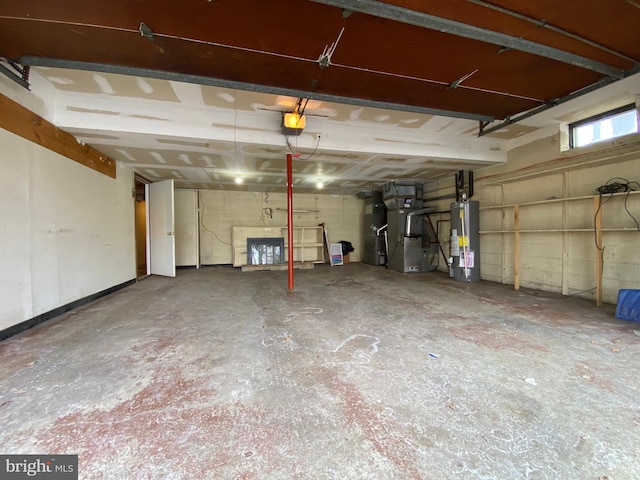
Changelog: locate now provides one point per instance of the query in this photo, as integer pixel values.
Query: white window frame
(575, 126)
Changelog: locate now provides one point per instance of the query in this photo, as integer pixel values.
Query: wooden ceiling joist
(21, 121)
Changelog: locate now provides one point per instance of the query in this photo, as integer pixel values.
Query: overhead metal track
(431, 22)
(217, 82)
(552, 103)
(553, 28)
(22, 79)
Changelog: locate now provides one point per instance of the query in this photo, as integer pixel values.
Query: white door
(162, 245)
(186, 216)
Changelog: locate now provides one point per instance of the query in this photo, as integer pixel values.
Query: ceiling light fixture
(239, 180)
(319, 185)
(294, 122)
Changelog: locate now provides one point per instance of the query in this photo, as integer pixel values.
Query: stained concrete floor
(364, 374)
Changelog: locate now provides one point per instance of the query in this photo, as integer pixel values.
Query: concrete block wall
(221, 210)
(557, 261)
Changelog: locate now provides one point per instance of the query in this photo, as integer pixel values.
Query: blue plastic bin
(628, 307)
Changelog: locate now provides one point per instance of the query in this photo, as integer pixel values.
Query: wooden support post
(597, 215)
(565, 236)
(516, 247)
(20, 121)
(290, 219)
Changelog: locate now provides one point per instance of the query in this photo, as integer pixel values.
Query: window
(611, 124)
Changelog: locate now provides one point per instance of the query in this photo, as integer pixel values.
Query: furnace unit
(408, 248)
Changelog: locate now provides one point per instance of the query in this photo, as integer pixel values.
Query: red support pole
(290, 218)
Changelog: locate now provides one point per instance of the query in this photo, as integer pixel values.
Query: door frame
(139, 179)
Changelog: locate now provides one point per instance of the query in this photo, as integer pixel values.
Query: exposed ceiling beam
(419, 19)
(216, 82)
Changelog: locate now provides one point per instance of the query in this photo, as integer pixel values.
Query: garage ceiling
(194, 90)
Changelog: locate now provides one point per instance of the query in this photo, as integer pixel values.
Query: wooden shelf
(597, 230)
(307, 244)
(557, 200)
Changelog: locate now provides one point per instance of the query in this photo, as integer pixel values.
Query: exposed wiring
(580, 293)
(291, 149)
(600, 248)
(612, 186)
(552, 297)
(314, 150)
(296, 154)
(205, 228)
(595, 217)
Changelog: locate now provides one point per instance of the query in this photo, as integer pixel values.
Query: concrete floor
(364, 374)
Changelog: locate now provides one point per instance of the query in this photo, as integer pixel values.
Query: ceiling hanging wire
(437, 82)
(324, 60)
(238, 180)
(146, 32)
(465, 30)
(274, 54)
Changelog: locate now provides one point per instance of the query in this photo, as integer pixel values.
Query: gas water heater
(465, 241)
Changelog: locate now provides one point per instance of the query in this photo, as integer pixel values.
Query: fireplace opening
(265, 251)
